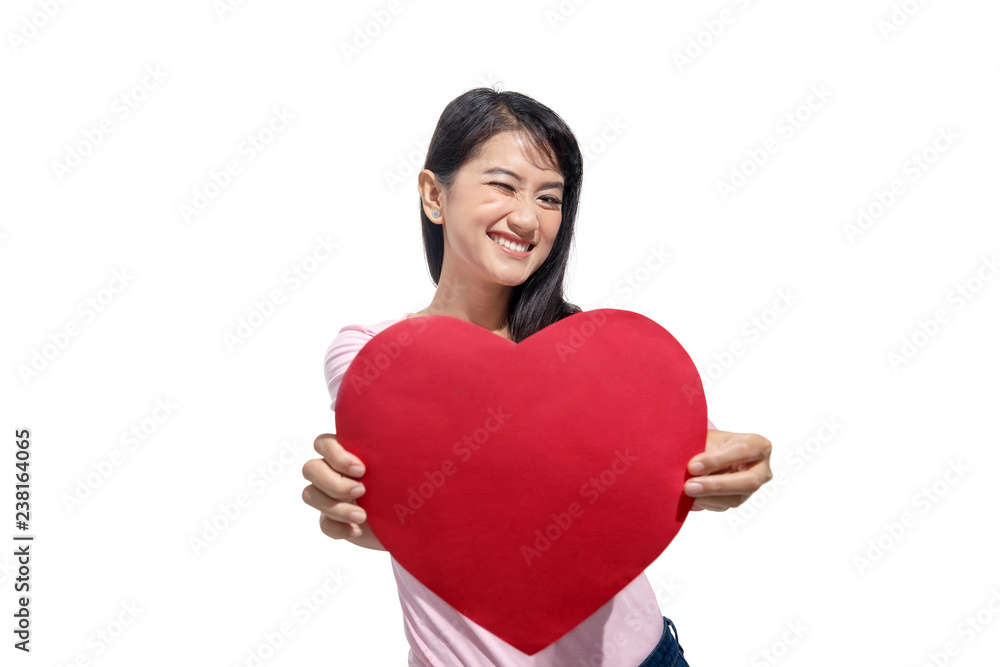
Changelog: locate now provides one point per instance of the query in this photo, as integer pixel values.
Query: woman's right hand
(334, 490)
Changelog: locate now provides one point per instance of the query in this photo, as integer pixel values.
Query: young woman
(498, 202)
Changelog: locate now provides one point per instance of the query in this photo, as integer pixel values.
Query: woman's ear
(432, 195)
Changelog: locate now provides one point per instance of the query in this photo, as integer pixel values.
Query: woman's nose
(522, 219)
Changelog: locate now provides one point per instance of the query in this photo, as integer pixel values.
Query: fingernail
(357, 517)
(355, 471)
(697, 468)
(693, 488)
(357, 491)
(355, 531)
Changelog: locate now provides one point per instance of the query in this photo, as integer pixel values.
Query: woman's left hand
(732, 467)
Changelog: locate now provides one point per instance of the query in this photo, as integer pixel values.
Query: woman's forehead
(514, 149)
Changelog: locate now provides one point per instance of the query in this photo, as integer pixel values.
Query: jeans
(668, 653)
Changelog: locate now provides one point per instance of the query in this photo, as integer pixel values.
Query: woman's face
(508, 191)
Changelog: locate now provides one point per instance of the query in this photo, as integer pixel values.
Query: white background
(672, 132)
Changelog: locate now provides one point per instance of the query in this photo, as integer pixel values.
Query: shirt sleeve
(339, 355)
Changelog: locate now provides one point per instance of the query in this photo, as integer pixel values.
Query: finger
(331, 482)
(744, 482)
(340, 459)
(338, 530)
(738, 448)
(721, 503)
(338, 510)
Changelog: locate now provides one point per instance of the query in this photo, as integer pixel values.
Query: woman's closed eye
(550, 199)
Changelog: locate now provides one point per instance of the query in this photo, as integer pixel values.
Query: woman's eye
(551, 200)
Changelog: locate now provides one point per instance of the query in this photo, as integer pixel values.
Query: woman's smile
(519, 250)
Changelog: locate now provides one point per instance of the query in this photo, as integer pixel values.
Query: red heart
(525, 484)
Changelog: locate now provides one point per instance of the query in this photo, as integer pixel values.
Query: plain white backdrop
(745, 139)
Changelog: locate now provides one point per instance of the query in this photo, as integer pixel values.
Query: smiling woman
(498, 202)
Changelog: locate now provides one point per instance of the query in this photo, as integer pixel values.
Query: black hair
(465, 125)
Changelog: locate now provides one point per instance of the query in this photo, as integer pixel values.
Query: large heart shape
(525, 484)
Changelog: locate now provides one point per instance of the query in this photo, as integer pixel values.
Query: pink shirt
(622, 632)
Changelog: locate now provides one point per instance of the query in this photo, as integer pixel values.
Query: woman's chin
(508, 279)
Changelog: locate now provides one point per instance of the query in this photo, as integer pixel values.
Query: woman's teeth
(517, 247)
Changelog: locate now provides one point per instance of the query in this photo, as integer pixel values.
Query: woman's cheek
(495, 208)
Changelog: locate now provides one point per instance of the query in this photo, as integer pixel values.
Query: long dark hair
(466, 123)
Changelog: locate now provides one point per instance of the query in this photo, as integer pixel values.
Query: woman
(498, 201)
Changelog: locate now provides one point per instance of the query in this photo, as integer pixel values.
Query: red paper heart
(525, 484)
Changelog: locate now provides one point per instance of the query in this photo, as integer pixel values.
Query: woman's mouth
(508, 246)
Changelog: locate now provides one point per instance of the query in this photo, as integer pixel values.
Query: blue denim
(668, 653)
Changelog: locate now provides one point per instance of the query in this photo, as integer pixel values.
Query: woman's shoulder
(353, 331)
(345, 346)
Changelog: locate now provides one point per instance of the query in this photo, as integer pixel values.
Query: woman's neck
(481, 302)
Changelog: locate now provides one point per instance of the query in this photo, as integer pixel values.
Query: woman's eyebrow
(508, 172)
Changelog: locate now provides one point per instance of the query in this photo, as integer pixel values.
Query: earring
(435, 214)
